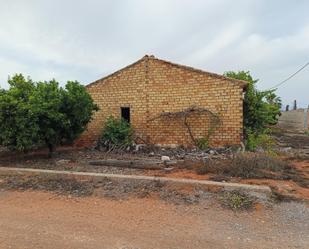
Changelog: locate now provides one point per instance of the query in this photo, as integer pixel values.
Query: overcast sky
(86, 40)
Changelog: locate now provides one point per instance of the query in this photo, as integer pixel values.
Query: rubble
(63, 161)
(165, 158)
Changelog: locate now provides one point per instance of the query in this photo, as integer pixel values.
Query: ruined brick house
(149, 88)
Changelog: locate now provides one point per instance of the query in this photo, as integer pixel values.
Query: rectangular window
(125, 113)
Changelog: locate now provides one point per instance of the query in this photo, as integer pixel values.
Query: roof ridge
(152, 57)
(118, 71)
(242, 82)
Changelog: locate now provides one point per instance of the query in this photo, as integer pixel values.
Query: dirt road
(44, 220)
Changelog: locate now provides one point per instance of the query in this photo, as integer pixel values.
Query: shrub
(246, 165)
(202, 143)
(256, 141)
(210, 166)
(237, 200)
(116, 132)
(255, 165)
(307, 132)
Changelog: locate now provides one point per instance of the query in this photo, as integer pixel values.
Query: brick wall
(152, 86)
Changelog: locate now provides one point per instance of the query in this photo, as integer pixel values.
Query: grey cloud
(85, 40)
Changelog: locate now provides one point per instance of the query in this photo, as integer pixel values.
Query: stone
(63, 161)
(139, 146)
(286, 149)
(165, 158)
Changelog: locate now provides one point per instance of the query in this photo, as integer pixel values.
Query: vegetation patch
(47, 183)
(202, 143)
(278, 197)
(248, 165)
(237, 200)
(261, 141)
(261, 110)
(117, 133)
(256, 165)
(211, 166)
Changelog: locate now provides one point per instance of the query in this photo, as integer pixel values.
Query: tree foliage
(37, 114)
(261, 108)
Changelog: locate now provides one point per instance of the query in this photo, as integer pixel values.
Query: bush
(255, 165)
(261, 108)
(116, 132)
(259, 141)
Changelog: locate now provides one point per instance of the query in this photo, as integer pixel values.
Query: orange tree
(40, 114)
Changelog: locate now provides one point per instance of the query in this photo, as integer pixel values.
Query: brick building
(149, 88)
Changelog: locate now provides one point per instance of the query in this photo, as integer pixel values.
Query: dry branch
(214, 119)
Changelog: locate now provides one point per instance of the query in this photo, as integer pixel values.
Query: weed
(237, 200)
(259, 141)
(202, 143)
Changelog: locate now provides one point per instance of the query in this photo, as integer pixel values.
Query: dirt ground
(44, 220)
(292, 184)
(41, 212)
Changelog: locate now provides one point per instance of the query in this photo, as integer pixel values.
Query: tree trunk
(51, 150)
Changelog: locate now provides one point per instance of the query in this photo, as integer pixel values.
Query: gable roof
(242, 83)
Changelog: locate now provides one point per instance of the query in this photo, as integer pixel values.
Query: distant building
(294, 120)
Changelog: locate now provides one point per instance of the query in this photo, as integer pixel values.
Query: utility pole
(295, 105)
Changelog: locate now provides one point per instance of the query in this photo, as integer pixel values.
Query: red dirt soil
(286, 187)
(43, 220)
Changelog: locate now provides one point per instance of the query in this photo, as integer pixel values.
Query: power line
(290, 77)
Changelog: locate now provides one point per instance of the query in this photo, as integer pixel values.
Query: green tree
(78, 106)
(18, 124)
(45, 103)
(261, 108)
(38, 114)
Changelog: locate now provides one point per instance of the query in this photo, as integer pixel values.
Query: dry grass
(256, 165)
(246, 165)
(48, 183)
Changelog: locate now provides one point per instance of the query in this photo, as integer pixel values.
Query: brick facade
(151, 86)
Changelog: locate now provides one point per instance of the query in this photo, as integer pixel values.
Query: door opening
(125, 113)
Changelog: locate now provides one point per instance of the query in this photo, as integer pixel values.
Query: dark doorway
(125, 113)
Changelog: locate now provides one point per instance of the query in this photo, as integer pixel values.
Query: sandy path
(43, 220)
